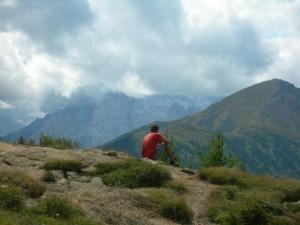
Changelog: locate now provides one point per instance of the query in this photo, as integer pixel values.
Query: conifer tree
(216, 157)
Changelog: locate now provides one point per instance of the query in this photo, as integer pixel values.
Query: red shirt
(150, 142)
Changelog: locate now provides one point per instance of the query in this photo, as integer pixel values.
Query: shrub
(48, 177)
(11, 198)
(64, 165)
(246, 199)
(33, 188)
(168, 205)
(135, 174)
(175, 185)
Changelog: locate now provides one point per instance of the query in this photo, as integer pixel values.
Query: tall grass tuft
(168, 204)
(31, 187)
(132, 174)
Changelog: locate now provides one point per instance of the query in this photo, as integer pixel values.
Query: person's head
(154, 128)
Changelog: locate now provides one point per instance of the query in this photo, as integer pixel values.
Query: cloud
(28, 76)
(5, 105)
(132, 85)
(55, 51)
(47, 23)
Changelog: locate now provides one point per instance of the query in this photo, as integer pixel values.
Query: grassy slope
(261, 125)
(143, 192)
(249, 200)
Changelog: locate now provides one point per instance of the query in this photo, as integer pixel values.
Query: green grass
(26, 218)
(15, 186)
(64, 165)
(11, 198)
(132, 174)
(168, 204)
(31, 187)
(56, 207)
(50, 211)
(246, 199)
(110, 166)
(175, 186)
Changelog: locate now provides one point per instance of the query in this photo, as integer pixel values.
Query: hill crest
(261, 125)
(111, 205)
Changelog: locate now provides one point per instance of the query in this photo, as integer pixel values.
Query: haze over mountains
(261, 125)
(8, 123)
(92, 122)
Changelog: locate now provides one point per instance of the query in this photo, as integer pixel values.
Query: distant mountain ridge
(261, 125)
(91, 122)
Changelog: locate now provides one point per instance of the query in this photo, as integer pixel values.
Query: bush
(168, 205)
(11, 198)
(31, 187)
(64, 165)
(175, 186)
(134, 174)
(246, 199)
(48, 177)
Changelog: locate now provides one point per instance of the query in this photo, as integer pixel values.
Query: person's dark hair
(154, 128)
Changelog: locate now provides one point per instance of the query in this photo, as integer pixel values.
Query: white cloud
(287, 64)
(5, 105)
(138, 47)
(132, 85)
(28, 76)
(29, 73)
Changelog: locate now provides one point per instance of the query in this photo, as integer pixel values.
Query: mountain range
(93, 122)
(261, 126)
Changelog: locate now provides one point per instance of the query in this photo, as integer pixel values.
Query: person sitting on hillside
(151, 145)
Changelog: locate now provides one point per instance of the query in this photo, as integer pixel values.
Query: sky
(53, 50)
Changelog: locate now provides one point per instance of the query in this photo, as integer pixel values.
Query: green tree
(57, 142)
(31, 142)
(21, 140)
(45, 140)
(216, 157)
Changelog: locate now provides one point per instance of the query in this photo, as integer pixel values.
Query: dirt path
(196, 196)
